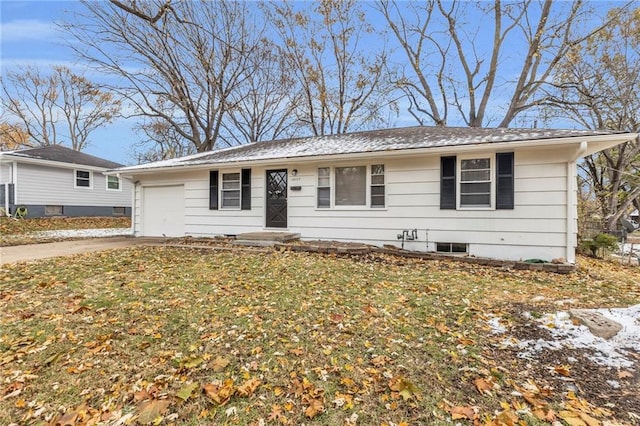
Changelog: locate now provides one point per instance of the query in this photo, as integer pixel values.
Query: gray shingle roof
(63, 154)
(369, 141)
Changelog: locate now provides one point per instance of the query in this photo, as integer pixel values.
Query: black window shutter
(213, 190)
(448, 183)
(504, 181)
(246, 189)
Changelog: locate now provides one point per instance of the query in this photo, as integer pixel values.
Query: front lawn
(183, 336)
(25, 231)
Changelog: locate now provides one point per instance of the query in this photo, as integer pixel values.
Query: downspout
(571, 201)
(133, 207)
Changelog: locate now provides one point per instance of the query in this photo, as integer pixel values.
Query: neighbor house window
(83, 179)
(475, 182)
(377, 185)
(118, 211)
(351, 186)
(231, 190)
(481, 182)
(113, 183)
(324, 187)
(451, 248)
(53, 210)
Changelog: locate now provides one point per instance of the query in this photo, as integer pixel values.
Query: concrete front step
(267, 236)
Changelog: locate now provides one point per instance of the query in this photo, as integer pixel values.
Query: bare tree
(60, 107)
(597, 85)
(454, 62)
(263, 106)
(175, 62)
(340, 82)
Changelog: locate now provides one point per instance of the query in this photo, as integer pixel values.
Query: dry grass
(182, 336)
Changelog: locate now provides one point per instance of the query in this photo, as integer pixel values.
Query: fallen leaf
(248, 387)
(315, 407)
(459, 413)
(151, 411)
(220, 394)
(563, 370)
(483, 385)
(624, 374)
(186, 392)
(219, 364)
(571, 418)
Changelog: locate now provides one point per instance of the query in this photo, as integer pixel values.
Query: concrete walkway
(30, 252)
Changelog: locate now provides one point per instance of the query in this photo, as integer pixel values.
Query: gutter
(572, 200)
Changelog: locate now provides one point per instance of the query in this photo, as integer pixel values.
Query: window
(118, 211)
(53, 210)
(451, 248)
(324, 187)
(377, 185)
(113, 183)
(480, 183)
(351, 186)
(235, 191)
(231, 190)
(475, 182)
(83, 179)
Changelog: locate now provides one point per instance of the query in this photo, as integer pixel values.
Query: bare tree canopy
(59, 107)
(470, 71)
(338, 75)
(597, 85)
(187, 64)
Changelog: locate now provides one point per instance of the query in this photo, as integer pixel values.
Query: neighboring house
(497, 193)
(635, 216)
(58, 181)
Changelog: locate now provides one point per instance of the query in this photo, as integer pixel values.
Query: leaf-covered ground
(182, 336)
(21, 231)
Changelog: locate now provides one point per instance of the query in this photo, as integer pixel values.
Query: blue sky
(29, 36)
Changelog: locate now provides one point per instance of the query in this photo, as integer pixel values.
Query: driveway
(31, 252)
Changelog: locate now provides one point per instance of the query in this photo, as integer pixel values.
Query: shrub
(602, 242)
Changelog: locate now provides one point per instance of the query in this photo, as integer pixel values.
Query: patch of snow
(83, 233)
(566, 334)
(496, 327)
(614, 384)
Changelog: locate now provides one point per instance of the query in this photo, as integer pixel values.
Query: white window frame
(318, 187)
(222, 190)
(119, 183)
(75, 179)
(368, 183)
(378, 185)
(492, 182)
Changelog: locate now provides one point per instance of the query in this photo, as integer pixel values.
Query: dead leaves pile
(162, 335)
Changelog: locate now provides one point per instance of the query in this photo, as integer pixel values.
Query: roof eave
(50, 163)
(595, 143)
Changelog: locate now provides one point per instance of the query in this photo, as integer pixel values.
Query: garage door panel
(163, 211)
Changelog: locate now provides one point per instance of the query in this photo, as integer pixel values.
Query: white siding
(44, 185)
(5, 171)
(535, 228)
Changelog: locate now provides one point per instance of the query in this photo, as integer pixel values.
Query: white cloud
(28, 29)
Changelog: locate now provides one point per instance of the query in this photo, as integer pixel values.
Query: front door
(277, 198)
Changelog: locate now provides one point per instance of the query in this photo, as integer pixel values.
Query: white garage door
(163, 211)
